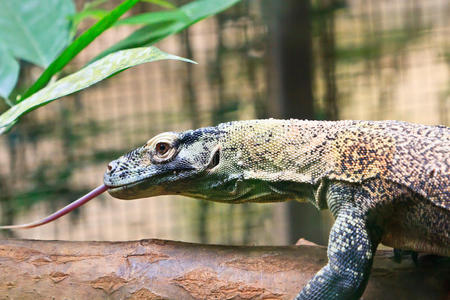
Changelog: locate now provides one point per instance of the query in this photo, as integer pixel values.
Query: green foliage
(35, 44)
(9, 72)
(91, 10)
(33, 32)
(93, 73)
(162, 3)
(158, 25)
(79, 44)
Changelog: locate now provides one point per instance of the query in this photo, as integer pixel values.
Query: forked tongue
(65, 210)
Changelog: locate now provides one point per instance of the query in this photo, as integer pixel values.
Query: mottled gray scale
(416, 156)
(422, 161)
(406, 219)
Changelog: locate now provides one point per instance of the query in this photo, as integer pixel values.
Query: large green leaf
(79, 44)
(87, 76)
(180, 19)
(9, 72)
(36, 31)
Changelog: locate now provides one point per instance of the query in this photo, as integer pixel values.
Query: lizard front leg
(350, 255)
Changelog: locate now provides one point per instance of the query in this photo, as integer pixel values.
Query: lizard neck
(279, 150)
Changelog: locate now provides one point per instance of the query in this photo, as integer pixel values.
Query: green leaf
(89, 10)
(161, 3)
(200, 9)
(79, 44)
(84, 14)
(182, 18)
(93, 4)
(87, 76)
(35, 31)
(156, 17)
(9, 72)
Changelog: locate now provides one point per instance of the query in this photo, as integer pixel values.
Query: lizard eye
(164, 151)
(162, 148)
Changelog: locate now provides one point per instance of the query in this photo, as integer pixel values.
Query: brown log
(156, 269)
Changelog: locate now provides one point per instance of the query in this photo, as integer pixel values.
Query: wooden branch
(156, 269)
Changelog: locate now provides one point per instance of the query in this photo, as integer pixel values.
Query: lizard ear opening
(215, 159)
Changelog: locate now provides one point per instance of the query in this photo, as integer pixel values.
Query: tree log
(156, 269)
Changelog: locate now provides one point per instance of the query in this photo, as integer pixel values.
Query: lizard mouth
(150, 186)
(135, 190)
(117, 187)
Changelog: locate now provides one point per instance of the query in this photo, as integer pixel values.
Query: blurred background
(318, 59)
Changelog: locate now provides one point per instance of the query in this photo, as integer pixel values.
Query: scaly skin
(383, 181)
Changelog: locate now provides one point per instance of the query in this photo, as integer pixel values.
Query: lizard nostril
(113, 167)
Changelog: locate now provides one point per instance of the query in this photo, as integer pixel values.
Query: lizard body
(384, 181)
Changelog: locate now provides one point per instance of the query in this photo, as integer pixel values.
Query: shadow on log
(156, 269)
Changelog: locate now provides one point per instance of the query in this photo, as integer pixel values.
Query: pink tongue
(67, 209)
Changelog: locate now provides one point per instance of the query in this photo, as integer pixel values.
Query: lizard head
(232, 162)
(185, 163)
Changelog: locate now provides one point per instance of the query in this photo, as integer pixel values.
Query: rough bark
(156, 269)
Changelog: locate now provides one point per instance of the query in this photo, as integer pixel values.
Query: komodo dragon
(384, 181)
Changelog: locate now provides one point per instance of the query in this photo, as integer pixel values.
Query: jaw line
(130, 185)
(119, 188)
(113, 189)
(126, 185)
